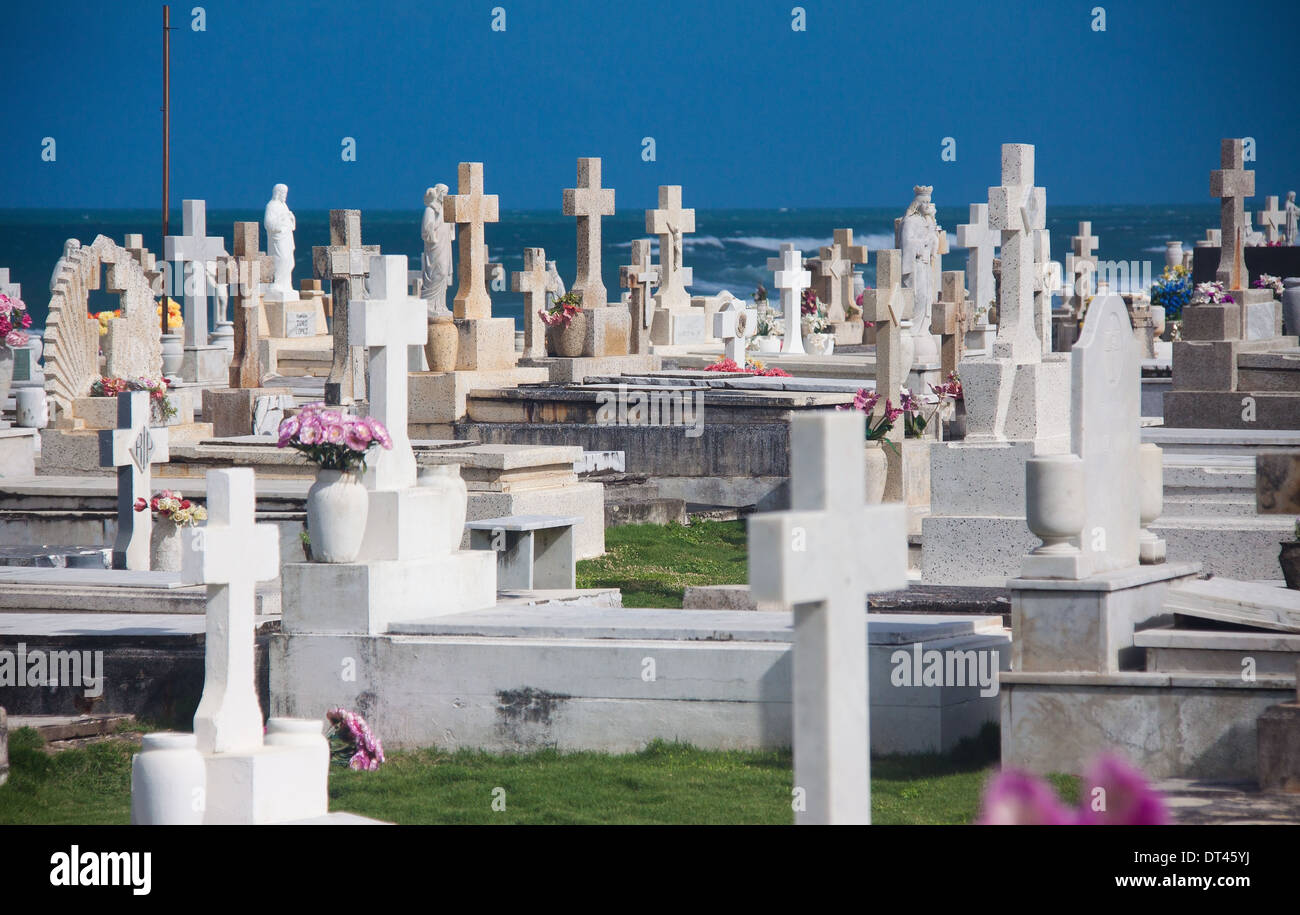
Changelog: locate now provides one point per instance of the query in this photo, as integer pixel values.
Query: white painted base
(268, 785)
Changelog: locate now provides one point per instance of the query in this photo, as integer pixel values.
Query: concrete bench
(533, 551)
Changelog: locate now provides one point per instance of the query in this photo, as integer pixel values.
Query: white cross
(11, 289)
(1232, 184)
(671, 223)
(230, 554)
(734, 324)
(471, 208)
(532, 283)
(790, 277)
(980, 243)
(387, 323)
(1081, 263)
(822, 557)
(1271, 219)
(1017, 208)
(196, 248)
(132, 448)
(589, 202)
(1213, 239)
(646, 272)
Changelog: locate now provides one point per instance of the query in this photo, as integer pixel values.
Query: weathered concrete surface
(1279, 748)
(1277, 482)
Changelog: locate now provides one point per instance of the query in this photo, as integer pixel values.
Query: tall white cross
(471, 208)
(1232, 184)
(822, 557)
(532, 283)
(1017, 208)
(230, 554)
(132, 448)
(980, 243)
(589, 202)
(670, 222)
(191, 253)
(790, 277)
(1271, 219)
(388, 322)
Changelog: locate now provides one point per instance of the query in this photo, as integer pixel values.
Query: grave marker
(670, 222)
(792, 279)
(532, 283)
(471, 209)
(1271, 219)
(639, 277)
(133, 447)
(345, 262)
(589, 202)
(980, 243)
(951, 319)
(243, 274)
(1232, 183)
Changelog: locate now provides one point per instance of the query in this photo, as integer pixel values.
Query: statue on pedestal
(280, 224)
(1292, 217)
(437, 270)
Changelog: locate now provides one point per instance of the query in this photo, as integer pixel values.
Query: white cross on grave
(1271, 219)
(1017, 208)
(980, 243)
(133, 447)
(532, 283)
(471, 208)
(1081, 263)
(790, 277)
(822, 557)
(589, 202)
(230, 554)
(191, 253)
(734, 324)
(388, 322)
(646, 272)
(671, 223)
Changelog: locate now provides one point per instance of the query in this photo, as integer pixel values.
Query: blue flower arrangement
(1172, 291)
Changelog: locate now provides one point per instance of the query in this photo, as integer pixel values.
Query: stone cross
(472, 209)
(1271, 219)
(854, 255)
(244, 276)
(1213, 239)
(639, 277)
(822, 558)
(1017, 208)
(837, 273)
(230, 554)
(1081, 263)
(980, 243)
(344, 262)
(792, 280)
(195, 247)
(885, 305)
(133, 447)
(589, 202)
(1105, 435)
(387, 322)
(532, 283)
(670, 222)
(951, 319)
(1232, 184)
(1046, 281)
(734, 324)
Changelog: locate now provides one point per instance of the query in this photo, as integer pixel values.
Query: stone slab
(1232, 410)
(562, 370)
(441, 397)
(1241, 602)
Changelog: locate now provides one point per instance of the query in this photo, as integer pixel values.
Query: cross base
(678, 326)
(271, 784)
(206, 365)
(485, 344)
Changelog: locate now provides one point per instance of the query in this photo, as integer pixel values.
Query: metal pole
(166, 152)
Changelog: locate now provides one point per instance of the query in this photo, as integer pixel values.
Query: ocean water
(729, 249)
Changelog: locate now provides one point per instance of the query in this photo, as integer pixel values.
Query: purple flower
(1122, 794)
(310, 434)
(1016, 798)
(288, 429)
(379, 433)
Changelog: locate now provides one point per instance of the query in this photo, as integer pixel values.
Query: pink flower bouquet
(332, 439)
(351, 742)
(1113, 793)
(14, 320)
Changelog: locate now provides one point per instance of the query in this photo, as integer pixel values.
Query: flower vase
(446, 481)
(1173, 254)
(166, 776)
(173, 354)
(337, 504)
(443, 345)
(877, 468)
(819, 344)
(567, 341)
(768, 343)
(1291, 306)
(165, 546)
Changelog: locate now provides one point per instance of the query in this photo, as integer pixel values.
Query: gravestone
(790, 277)
(951, 319)
(27, 358)
(133, 448)
(981, 244)
(675, 321)
(1232, 183)
(639, 277)
(472, 209)
(814, 559)
(607, 329)
(1272, 219)
(734, 324)
(532, 283)
(344, 263)
(192, 253)
(834, 283)
(886, 305)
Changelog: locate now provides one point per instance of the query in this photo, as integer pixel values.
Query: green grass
(665, 783)
(653, 563)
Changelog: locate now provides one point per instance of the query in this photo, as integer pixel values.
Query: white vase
(168, 781)
(173, 354)
(337, 504)
(165, 546)
(453, 501)
(1173, 253)
(877, 468)
(768, 343)
(299, 732)
(819, 344)
(32, 408)
(1054, 501)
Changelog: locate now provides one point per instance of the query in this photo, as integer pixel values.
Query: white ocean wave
(765, 243)
(701, 241)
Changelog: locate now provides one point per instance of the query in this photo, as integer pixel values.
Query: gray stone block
(1211, 322)
(1277, 482)
(4, 747)
(1278, 745)
(1204, 366)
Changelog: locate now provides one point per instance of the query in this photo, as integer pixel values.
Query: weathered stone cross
(790, 277)
(822, 558)
(387, 322)
(885, 305)
(980, 243)
(951, 319)
(230, 554)
(670, 222)
(1081, 263)
(1017, 208)
(191, 253)
(532, 283)
(345, 263)
(1271, 219)
(471, 208)
(837, 263)
(639, 277)
(244, 276)
(132, 448)
(1232, 184)
(589, 202)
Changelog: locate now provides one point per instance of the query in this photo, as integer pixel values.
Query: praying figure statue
(1292, 217)
(917, 237)
(280, 224)
(437, 270)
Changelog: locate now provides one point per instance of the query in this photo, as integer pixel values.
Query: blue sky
(744, 111)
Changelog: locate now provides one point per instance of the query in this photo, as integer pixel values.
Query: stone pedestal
(206, 365)
(609, 332)
(245, 411)
(437, 398)
(485, 344)
(269, 784)
(17, 453)
(294, 318)
(672, 327)
(846, 333)
(1278, 735)
(561, 370)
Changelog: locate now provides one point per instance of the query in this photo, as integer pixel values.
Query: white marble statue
(554, 285)
(918, 239)
(436, 268)
(280, 224)
(1292, 217)
(70, 247)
